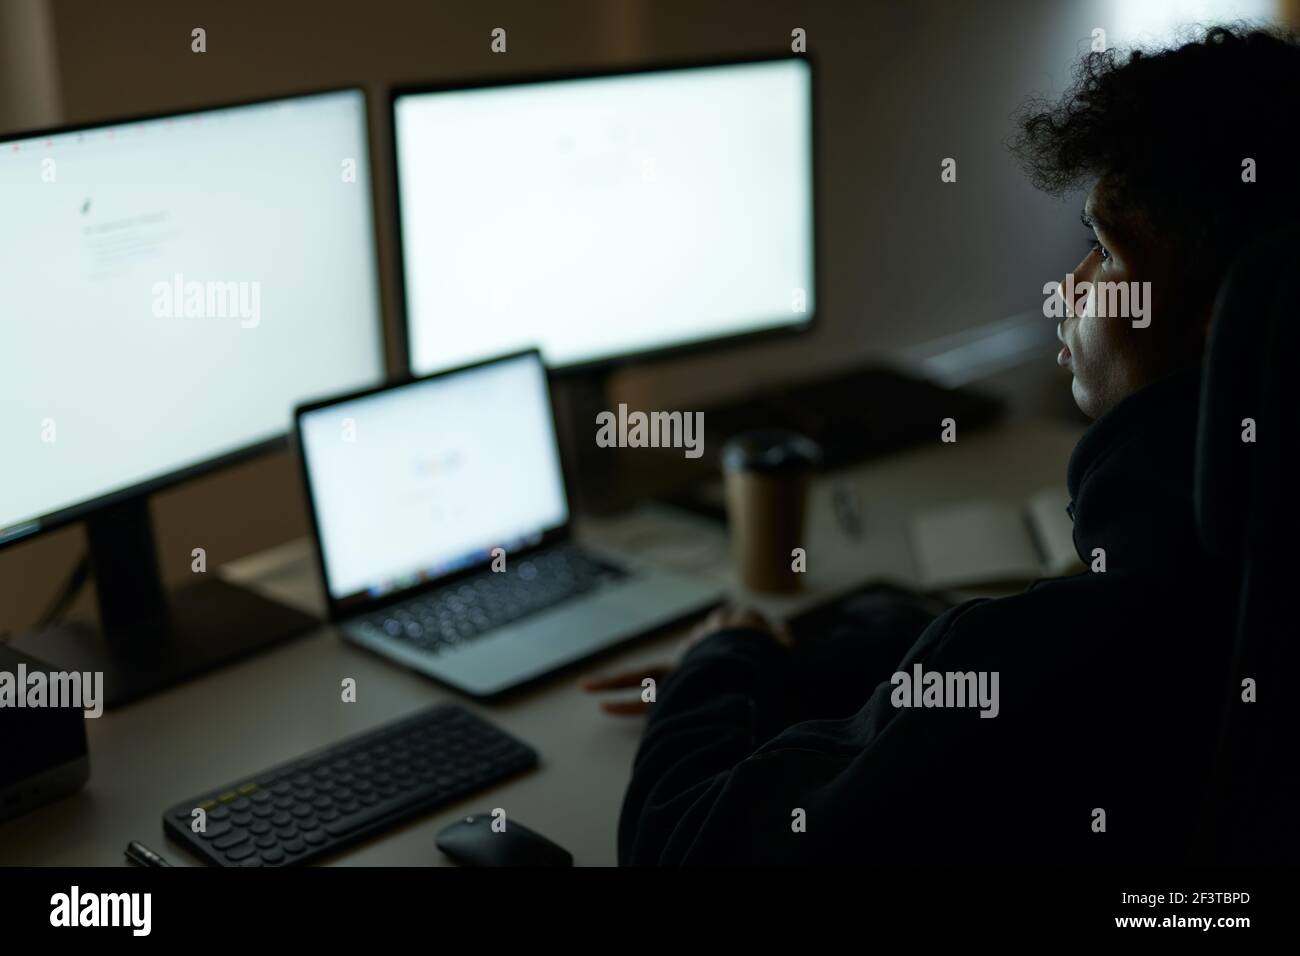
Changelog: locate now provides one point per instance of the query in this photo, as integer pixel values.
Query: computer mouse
(472, 841)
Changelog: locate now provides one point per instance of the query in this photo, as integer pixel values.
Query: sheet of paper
(1054, 531)
(981, 542)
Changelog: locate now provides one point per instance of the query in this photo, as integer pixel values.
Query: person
(1098, 741)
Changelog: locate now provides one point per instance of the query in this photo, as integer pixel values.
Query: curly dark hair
(1170, 130)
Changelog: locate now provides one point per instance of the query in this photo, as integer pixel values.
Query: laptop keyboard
(452, 615)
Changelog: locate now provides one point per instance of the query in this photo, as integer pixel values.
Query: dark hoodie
(1110, 686)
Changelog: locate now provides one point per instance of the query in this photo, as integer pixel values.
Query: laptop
(442, 530)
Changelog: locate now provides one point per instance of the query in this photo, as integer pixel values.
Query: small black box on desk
(42, 733)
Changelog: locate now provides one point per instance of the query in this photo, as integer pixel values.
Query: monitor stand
(150, 639)
(595, 474)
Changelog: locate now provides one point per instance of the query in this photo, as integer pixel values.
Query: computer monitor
(173, 287)
(604, 217)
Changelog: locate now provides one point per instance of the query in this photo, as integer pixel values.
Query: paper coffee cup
(767, 475)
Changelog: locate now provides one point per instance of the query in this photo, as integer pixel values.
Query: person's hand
(731, 616)
(723, 618)
(627, 680)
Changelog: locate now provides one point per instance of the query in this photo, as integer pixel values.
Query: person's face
(1109, 357)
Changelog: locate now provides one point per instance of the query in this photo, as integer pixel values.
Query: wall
(29, 69)
(904, 258)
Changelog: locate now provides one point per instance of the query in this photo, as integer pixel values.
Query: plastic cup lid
(770, 450)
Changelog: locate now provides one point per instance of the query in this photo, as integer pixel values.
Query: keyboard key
(241, 852)
(214, 830)
(233, 838)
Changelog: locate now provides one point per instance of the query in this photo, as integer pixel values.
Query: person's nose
(1076, 293)
(1063, 290)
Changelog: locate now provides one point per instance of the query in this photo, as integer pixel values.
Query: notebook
(995, 541)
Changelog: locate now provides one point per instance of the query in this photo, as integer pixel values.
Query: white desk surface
(282, 703)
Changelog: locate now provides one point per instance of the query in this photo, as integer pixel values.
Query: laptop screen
(413, 482)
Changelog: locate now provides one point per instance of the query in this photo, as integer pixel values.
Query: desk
(280, 704)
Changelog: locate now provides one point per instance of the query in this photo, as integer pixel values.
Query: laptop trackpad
(577, 626)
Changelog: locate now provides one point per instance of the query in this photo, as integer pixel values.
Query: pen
(847, 511)
(141, 855)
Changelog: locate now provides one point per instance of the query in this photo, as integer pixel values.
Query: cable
(67, 593)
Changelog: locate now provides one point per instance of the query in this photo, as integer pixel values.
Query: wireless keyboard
(302, 810)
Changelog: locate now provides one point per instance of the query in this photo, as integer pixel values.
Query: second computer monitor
(604, 216)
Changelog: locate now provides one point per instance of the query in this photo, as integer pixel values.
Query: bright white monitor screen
(172, 288)
(601, 217)
(416, 481)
